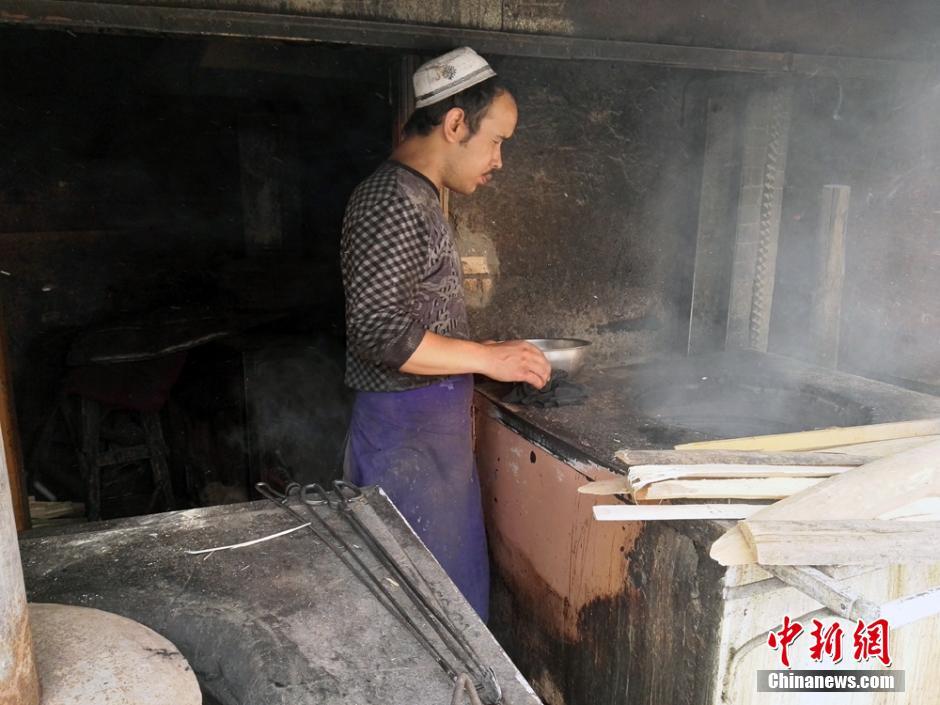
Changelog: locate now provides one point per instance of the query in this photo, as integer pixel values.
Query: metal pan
(565, 354)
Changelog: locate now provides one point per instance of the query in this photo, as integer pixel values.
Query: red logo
(869, 641)
(872, 641)
(784, 638)
(828, 642)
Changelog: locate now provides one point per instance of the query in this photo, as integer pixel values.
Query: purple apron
(416, 445)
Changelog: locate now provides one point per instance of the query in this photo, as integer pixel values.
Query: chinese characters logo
(869, 641)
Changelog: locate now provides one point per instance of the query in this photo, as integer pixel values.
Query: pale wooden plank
(673, 512)
(762, 488)
(830, 257)
(912, 608)
(745, 457)
(822, 542)
(864, 492)
(619, 485)
(641, 475)
(823, 438)
(923, 509)
(882, 449)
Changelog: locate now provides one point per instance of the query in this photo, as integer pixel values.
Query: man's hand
(516, 361)
(509, 361)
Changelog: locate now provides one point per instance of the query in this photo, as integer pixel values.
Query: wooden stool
(152, 450)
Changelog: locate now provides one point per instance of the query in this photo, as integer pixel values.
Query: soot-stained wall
(589, 229)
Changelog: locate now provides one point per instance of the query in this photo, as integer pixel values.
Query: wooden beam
(830, 273)
(912, 608)
(619, 485)
(642, 475)
(827, 591)
(882, 449)
(261, 174)
(714, 241)
(631, 458)
(10, 434)
(864, 492)
(82, 16)
(825, 542)
(673, 512)
(824, 438)
(761, 488)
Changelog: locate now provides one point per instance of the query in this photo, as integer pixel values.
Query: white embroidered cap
(448, 74)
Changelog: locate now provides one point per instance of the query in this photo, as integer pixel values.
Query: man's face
(475, 159)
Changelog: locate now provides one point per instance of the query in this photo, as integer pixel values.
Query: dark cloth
(417, 446)
(402, 276)
(559, 391)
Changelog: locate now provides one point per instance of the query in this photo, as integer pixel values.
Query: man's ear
(454, 125)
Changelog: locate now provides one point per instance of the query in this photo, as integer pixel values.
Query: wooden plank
(825, 542)
(619, 485)
(826, 590)
(830, 257)
(714, 242)
(864, 492)
(641, 475)
(823, 438)
(294, 26)
(10, 434)
(882, 449)
(761, 488)
(261, 181)
(745, 457)
(923, 509)
(912, 608)
(673, 512)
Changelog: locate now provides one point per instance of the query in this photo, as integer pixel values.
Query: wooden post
(11, 437)
(19, 682)
(830, 255)
(258, 156)
(714, 243)
(403, 91)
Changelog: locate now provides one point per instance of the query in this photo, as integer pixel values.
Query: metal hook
(346, 492)
(279, 497)
(320, 496)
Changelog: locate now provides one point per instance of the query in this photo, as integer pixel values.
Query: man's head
(464, 115)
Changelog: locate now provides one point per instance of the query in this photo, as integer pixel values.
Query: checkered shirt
(402, 276)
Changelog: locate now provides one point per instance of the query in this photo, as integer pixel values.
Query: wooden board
(761, 488)
(673, 512)
(746, 457)
(882, 449)
(641, 475)
(824, 438)
(824, 542)
(864, 492)
(619, 485)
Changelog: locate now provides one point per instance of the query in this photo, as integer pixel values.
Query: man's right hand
(516, 361)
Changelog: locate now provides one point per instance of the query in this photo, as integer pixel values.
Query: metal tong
(344, 498)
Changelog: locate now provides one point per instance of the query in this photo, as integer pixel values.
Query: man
(408, 350)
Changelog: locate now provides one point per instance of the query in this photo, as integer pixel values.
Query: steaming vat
(747, 401)
(641, 603)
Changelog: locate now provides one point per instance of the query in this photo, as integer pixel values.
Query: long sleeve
(384, 254)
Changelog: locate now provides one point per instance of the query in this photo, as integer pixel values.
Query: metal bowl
(563, 353)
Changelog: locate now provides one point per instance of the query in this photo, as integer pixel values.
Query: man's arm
(383, 252)
(511, 361)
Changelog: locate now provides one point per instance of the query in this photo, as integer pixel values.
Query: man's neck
(420, 156)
